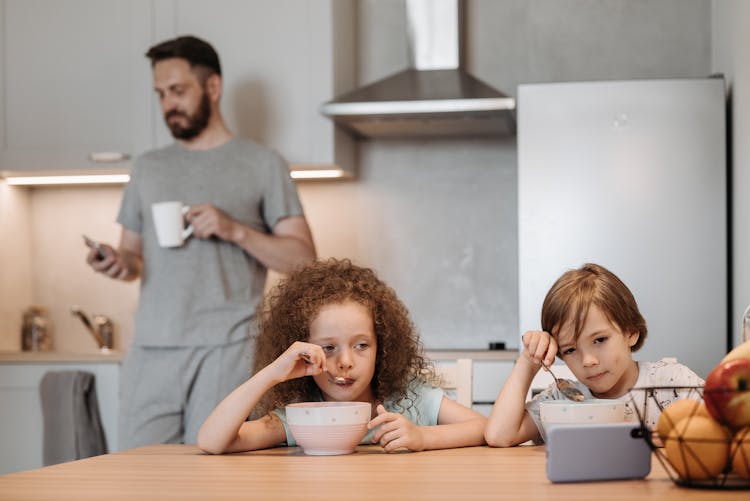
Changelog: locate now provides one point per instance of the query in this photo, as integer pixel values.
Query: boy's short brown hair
(575, 291)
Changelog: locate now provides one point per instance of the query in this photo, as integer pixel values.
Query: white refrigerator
(631, 175)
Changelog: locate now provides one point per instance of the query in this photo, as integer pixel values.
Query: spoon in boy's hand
(566, 387)
(306, 358)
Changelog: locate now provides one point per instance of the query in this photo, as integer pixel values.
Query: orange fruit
(676, 411)
(698, 448)
(741, 452)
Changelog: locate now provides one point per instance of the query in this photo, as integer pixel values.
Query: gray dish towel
(72, 427)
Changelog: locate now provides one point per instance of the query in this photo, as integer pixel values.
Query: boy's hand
(539, 346)
(396, 432)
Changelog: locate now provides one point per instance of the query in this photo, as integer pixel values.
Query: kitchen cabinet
(490, 369)
(75, 81)
(489, 377)
(21, 433)
(281, 59)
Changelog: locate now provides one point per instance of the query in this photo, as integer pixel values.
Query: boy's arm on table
(509, 424)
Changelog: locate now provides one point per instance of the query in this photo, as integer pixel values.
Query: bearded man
(194, 327)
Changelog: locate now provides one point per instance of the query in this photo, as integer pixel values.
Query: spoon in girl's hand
(306, 358)
(566, 387)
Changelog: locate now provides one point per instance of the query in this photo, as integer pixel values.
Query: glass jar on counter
(36, 330)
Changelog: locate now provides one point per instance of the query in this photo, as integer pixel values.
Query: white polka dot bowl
(328, 428)
(591, 411)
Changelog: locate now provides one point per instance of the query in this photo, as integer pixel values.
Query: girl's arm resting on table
(259, 434)
(458, 426)
(226, 428)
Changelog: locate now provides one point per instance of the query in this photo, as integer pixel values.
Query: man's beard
(195, 122)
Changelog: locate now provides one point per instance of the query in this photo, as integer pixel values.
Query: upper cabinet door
(277, 61)
(74, 81)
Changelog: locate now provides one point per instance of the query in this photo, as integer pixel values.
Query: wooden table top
(183, 472)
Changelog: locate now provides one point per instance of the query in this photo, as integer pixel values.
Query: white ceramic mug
(169, 221)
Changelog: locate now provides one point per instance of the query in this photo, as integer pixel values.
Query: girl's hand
(396, 432)
(539, 346)
(299, 360)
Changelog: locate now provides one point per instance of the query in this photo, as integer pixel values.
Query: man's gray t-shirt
(205, 292)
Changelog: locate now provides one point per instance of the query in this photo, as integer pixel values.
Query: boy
(591, 320)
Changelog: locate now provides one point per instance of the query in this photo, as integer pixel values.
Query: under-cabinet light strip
(317, 174)
(77, 179)
(123, 178)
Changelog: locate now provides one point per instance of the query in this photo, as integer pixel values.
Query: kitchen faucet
(102, 329)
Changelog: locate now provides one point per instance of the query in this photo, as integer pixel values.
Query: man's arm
(289, 245)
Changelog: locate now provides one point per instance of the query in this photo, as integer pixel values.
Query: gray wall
(437, 218)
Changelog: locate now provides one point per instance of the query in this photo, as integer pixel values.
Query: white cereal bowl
(592, 411)
(328, 428)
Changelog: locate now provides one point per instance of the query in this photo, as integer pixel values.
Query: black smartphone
(100, 252)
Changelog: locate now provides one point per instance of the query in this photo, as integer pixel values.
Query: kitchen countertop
(46, 357)
(25, 357)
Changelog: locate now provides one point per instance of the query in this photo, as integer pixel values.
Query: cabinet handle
(108, 156)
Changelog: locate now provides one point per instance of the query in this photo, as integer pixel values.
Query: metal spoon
(306, 358)
(566, 387)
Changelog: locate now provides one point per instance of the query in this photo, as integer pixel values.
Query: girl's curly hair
(295, 302)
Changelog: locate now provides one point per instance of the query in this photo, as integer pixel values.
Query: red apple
(727, 393)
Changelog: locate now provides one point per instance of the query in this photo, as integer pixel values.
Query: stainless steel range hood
(435, 97)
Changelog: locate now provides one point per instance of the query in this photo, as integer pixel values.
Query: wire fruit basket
(694, 449)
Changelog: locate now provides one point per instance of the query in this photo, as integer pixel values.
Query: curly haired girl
(333, 331)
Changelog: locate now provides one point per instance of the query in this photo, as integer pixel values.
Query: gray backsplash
(437, 220)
